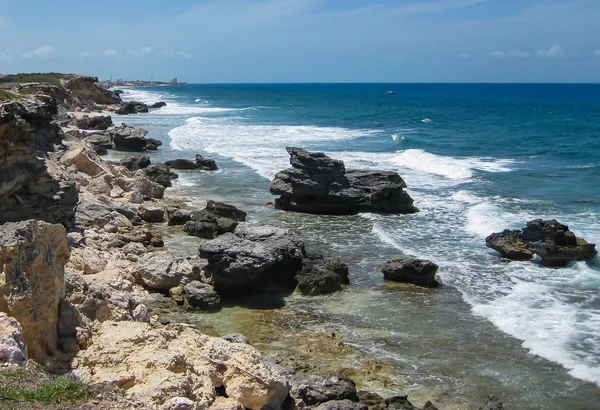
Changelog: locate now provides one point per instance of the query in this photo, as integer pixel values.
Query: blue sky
(209, 41)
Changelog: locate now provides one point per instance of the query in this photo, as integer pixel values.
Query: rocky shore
(80, 258)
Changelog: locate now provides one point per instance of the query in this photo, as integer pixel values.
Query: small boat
(390, 92)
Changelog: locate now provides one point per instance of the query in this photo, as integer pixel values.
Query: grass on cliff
(6, 95)
(33, 385)
(51, 78)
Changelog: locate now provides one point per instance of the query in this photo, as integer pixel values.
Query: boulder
(89, 214)
(225, 210)
(399, 403)
(178, 216)
(202, 296)
(159, 173)
(319, 184)
(320, 276)
(236, 338)
(157, 364)
(12, 345)
(203, 226)
(158, 104)
(131, 107)
(135, 162)
(101, 143)
(205, 164)
(33, 255)
(411, 270)
(252, 259)
(163, 271)
(128, 138)
(153, 144)
(318, 388)
(98, 122)
(151, 213)
(83, 157)
(181, 164)
(551, 240)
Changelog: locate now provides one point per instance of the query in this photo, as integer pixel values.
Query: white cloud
(111, 53)
(596, 53)
(142, 52)
(146, 50)
(172, 54)
(42, 52)
(555, 51)
(511, 54)
(463, 55)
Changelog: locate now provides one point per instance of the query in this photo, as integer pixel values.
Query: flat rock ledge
(411, 270)
(318, 184)
(550, 239)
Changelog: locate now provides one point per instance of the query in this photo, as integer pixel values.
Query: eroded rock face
(33, 255)
(551, 240)
(321, 185)
(98, 122)
(31, 185)
(411, 270)
(158, 364)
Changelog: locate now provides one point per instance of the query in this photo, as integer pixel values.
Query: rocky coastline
(80, 256)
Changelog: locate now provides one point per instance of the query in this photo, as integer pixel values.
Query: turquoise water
(476, 159)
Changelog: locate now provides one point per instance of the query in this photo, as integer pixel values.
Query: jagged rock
(320, 276)
(158, 104)
(151, 213)
(181, 164)
(203, 226)
(153, 144)
(318, 388)
(89, 214)
(33, 255)
(140, 185)
(100, 142)
(491, 403)
(131, 107)
(551, 240)
(321, 185)
(411, 270)
(99, 122)
(84, 88)
(128, 138)
(86, 160)
(135, 162)
(202, 296)
(179, 403)
(159, 173)
(510, 244)
(225, 210)
(141, 314)
(93, 262)
(157, 364)
(163, 271)
(31, 185)
(399, 403)
(177, 294)
(236, 338)
(205, 163)
(373, 400)
(216, 219)
(341, 405)
(253, 258)
(178, 216)
(12, 345)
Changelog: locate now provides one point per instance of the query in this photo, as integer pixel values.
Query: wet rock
(206, 164)
(202, 296)
(163, 271)
(151, 213)
(319, 184)
(158, 104)
(321, 276)
(373, 400)
(399, 403)
(135, 162)
(252, 258)
(491, 403)
(236, 338)
(128, 138)
(225, 210)
(510, 244)
(159, 173)
(178, 216)
(318, 388)
(181, 164)
(342, 405)
(131, 107)
(152, 144)
(411, 270)
(203, 225)
(12, 345)
(98, 122)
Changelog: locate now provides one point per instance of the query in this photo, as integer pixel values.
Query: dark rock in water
(135, 162)
(100, 142)
(206, 164)
(131, 107)
(411, 270)
(151, 214)
(181, 164)
(510, 244)
(100, 122)
(399, 403)
(128, 138)
(152, 144)
(216, 219)
(318, 388)
(236, 338)
(160, 173)
(226, 210)
(203, 226)
(253, 259)
(491, 403)
(551, 240)
(202, 296)
(429, 406)
(178, 216)
(342, 405)
(159, 104)
(320, 276)
(321, 185)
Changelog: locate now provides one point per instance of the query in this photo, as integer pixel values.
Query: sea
(477, 159)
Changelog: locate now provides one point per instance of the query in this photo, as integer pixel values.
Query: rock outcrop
(411, 270)
(181, 164)
(216, 219)
(33, 255)
(163, 271)
(128, 138)
(551, 240)
(12, 346)
(159, 364)
(320, 276)
(31, 184)
(321, 185)
(318, 388)
(206, 164)
(96, 122)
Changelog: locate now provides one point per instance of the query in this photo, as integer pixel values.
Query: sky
(270, 41)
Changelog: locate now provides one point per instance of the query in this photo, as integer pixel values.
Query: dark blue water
(477, 158)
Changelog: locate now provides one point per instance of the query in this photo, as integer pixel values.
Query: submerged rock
(205, 163)
(201, 295)
(411, 270)
(551, 240)
(319, 184)
(491, 403)
(318, 388)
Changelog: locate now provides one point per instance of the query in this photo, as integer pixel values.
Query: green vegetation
(33, 385)
(6, 95)
(51, 78)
